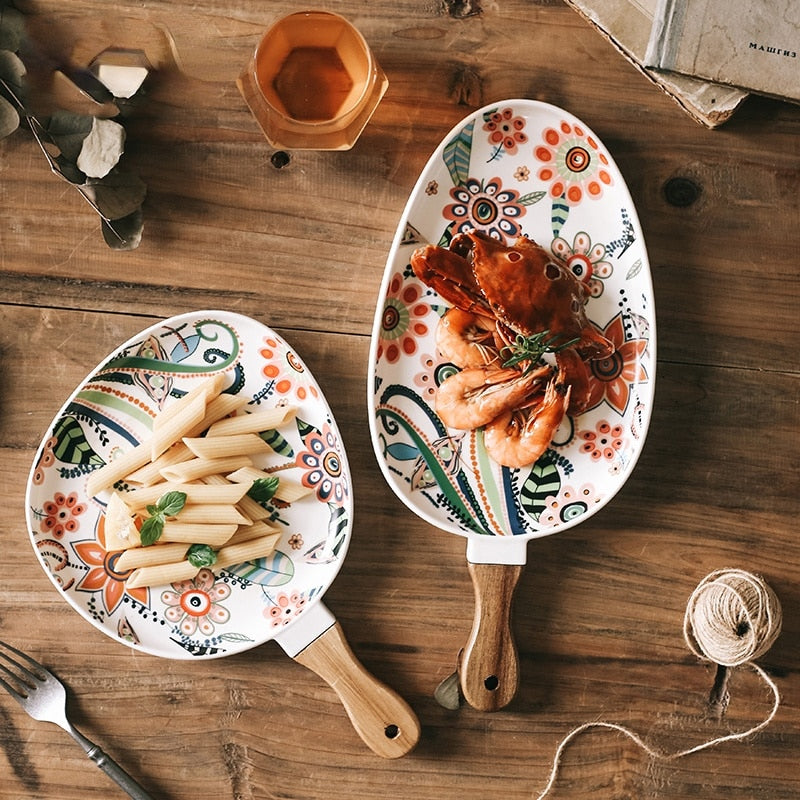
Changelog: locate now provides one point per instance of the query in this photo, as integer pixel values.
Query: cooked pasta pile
(191, 507)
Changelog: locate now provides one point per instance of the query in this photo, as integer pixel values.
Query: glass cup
(312, 83)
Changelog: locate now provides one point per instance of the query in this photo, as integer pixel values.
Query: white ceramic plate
(113, 409)
(515, 168)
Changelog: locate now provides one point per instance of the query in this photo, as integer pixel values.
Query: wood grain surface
(301, 244)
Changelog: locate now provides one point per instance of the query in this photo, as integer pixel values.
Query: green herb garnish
(168, 505)
(201, 555)
(532, 348)
(263, 489)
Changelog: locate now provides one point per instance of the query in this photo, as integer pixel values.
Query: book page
(755, 46)
(627, 24)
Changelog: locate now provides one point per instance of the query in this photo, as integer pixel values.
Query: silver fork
(44, 697)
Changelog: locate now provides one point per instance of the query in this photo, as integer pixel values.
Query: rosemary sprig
(532, 348)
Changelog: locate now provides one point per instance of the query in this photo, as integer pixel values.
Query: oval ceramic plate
(112, 410)
(515, 168)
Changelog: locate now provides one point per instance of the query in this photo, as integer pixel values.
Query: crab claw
(450, 274)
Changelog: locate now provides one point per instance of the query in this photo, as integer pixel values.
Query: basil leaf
(201, 555)
(152, 510)
(171, 503)
(263, 489)
(152, 528)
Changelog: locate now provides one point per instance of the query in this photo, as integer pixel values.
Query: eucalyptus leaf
(102, 148)
(125, 233)
(69, 170)
(117, 194)
(12, 70)
(9, 118)
(12, 27)
(67, 131)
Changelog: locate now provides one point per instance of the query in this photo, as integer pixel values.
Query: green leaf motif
(543, 481)
(278, 443)
(273, 570)
(72, 446)
(559, 215)
(531, 198)
(457, 153)
(338, 526)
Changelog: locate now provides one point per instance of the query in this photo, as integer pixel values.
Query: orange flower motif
(505, 130)
(573, 164)
(102, 576)
(611, 378)
(402, 322)
(285, 370)
(61, 514)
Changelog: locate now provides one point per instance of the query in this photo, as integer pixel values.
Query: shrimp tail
(517, 438)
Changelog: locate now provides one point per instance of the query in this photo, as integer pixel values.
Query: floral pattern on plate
(515, 168)
(112, 410)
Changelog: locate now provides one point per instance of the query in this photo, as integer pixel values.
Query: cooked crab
(521, 286)
(535, 305)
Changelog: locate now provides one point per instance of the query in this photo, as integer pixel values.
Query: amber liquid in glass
(313, 82)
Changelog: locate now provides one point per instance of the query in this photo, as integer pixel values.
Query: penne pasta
(118, 468)
(248, 474)
(253, 531)
(178, 425)
(255, 422)
(150, 556)
(252, 509)
(291, 492)
(201, 448)
(208, 389)
(210, 514)
(197, 533)
(246, 551)
(150, 473)
(224, 446)
(160, 574)
(287, 491)
(219, 408)
(196, 493)
(195, 468)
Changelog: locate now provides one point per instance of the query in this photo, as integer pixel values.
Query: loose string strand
(731, 618)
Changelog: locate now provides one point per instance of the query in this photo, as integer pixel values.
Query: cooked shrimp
(466, 339)
(518, 436)
(476, 395)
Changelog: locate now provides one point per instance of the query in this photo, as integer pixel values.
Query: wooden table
(302, 246)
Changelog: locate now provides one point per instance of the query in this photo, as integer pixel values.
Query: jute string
(732, 617)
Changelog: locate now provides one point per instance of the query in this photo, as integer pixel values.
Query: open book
(627, 25)
(752, 44)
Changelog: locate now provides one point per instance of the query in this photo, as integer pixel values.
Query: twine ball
(732, 617)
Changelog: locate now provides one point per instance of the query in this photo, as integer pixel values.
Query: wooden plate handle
(489, 666)
(381, 718)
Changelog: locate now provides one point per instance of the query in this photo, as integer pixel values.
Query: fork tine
(18, 696)
(31, 675)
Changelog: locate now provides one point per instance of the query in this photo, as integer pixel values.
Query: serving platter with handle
(513, 168)
(226, 612)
